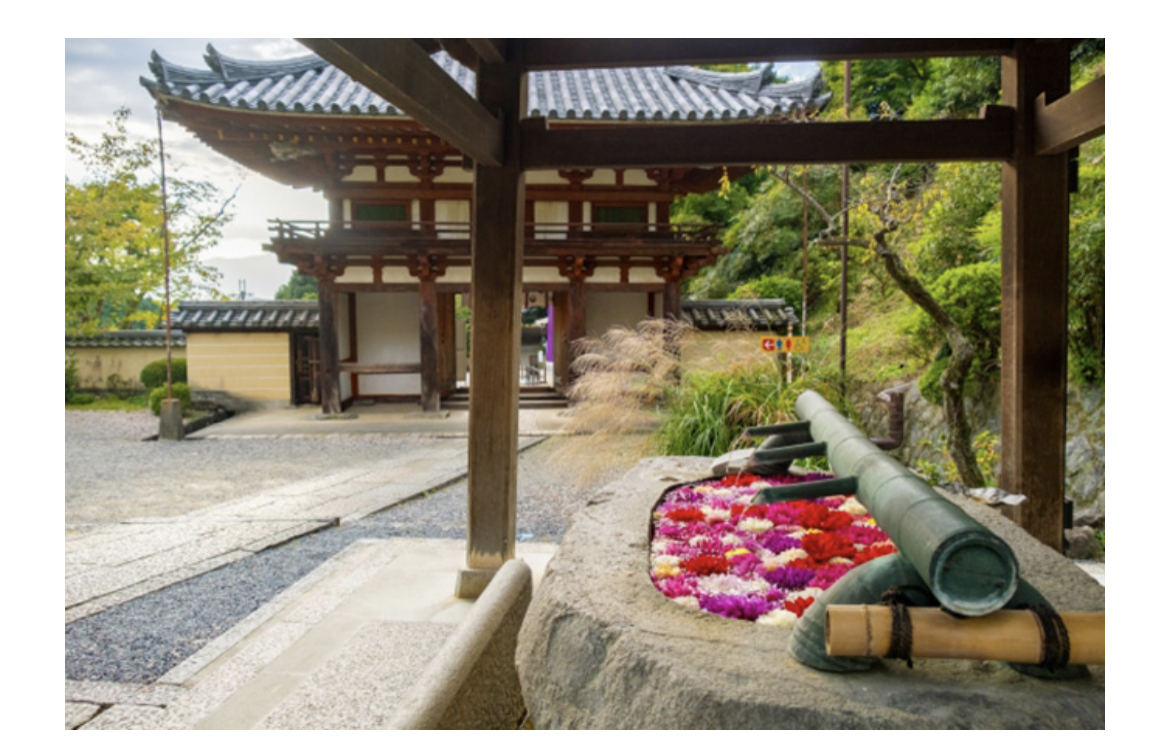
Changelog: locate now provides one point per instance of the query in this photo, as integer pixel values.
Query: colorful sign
(784, 344)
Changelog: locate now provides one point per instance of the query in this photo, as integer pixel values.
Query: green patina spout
(970, 570)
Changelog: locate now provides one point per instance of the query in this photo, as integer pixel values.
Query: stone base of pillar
(170, 420)
(470, 583)
(335, 416)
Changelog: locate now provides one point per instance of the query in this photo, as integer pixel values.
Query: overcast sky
(102, 75)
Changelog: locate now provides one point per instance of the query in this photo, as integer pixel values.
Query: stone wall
(1084, 431)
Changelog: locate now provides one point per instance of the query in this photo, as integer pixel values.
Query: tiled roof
(311, 85)
(128, 338)
(770, 313)
(251, 315)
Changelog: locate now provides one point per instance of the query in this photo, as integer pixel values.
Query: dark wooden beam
(1034, 265)
(619, 53)
(401, 72)
(1071, 120)
(329, 369)
(987, 139)
(488, 50)
(428, 337)
(497, 261)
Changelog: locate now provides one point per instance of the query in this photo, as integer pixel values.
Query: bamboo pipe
(1013, 636)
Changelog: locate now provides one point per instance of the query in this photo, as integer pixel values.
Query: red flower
(686, 514)
(824, 546)
(822, 518)
(798, 605)
(743, 479)
(702, 565)
(876, 551)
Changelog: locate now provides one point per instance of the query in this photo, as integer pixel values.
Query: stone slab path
(338, 650)
(111, 564)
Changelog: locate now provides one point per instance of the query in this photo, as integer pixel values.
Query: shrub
(181, 392)
(72, 380)
(82, 399)
(154, 374)
(770, 287)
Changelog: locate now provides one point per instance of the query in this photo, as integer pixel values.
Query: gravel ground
(110, 472)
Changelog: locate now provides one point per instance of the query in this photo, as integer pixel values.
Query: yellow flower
(736, 552)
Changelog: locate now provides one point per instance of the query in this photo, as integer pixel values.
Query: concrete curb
(472, 683)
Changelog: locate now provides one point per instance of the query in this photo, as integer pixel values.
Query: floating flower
(779, 617)
(824, 546)
(754, 525)
(702, 565)
(716, 551)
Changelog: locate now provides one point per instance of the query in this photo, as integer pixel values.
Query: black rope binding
(1055, 635)
(902, 631)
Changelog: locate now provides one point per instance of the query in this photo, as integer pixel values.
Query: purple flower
(777, 541)
(735, 606)
(790, 578)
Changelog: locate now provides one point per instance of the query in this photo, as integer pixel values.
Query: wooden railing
(307, 231)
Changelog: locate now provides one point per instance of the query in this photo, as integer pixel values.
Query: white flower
(754, 525)
(781, 617)
(811, 592)
(728, 584)
(689, 601)
(853, 506)
(731, 539)
(791, 555)
(713, 514)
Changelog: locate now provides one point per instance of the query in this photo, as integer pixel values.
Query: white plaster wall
(551, 212)
(387, 332)
(604, 310)
(362, 174)
(453, 211)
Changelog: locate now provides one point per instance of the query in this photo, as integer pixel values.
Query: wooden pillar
(447, 346)
(561, 344)
(672, 299)
(576, 269)
(427, 269)
(330, 368)
(497, 259)
(1035, 293)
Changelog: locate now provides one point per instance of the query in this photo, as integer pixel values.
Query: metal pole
(844, 245)
(162, 160)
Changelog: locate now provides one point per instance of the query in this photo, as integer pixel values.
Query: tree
(299, 287)
(114, 260)
(883, 211)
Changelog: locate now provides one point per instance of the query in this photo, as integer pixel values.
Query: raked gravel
(111, 474)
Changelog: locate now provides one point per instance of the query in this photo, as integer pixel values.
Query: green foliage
(1086, 277)
(113, 244)
(765, 237)
(879, 88)
(299, 287)
(154, 373)
(958, 88)
(82, 398)
(971, 295)
(710, 410)
(181, 392)
(72, 379)
(770, 287)
(957, 201)
(943, 472)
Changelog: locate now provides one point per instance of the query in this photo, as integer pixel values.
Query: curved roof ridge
(231, 68)
(311, 84)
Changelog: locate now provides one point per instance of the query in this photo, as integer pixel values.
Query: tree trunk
(954, 377)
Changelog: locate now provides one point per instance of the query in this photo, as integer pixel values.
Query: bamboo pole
(1013, 636)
